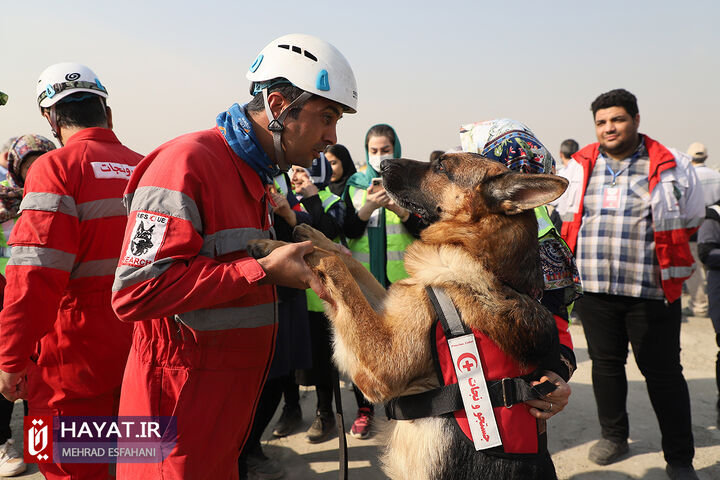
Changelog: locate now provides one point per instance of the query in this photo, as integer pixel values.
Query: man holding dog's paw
(628, 213)
(204, 310)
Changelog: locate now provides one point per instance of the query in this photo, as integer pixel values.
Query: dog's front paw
(262, 247)
(302, 233)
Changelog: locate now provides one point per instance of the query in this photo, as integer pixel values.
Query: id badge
(612, 198)
(474, 392)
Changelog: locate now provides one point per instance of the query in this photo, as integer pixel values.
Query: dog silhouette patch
(148, 234)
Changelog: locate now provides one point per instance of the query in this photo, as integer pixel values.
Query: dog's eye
(439, 167)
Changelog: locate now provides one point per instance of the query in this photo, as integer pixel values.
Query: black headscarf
(338, 187)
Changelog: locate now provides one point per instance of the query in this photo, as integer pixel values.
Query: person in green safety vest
(378, 231)
(21, 154)
(514, 145)
(327, 213)
(11, 461)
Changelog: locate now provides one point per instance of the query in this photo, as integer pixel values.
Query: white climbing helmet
(62, 79)
(308, 63)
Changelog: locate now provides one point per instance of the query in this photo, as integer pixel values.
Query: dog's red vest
(519, 431)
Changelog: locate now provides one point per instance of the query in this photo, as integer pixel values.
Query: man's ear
(108, 116)
(277, 102)
(512, 193)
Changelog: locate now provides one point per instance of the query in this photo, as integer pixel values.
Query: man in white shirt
(697, 306)
(567, 150)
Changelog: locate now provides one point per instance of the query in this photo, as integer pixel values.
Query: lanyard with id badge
(613, 195)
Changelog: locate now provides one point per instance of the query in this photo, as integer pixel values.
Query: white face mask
(375, 160)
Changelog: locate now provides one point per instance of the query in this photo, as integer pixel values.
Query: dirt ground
(571, 433)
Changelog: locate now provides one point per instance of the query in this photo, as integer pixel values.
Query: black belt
(439, 401)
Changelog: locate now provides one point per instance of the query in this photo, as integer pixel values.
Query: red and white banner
(474, 391)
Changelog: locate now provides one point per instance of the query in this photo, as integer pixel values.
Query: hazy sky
(424, 67)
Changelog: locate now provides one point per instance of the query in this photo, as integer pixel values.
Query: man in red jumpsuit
(61, 345)
(204, 311)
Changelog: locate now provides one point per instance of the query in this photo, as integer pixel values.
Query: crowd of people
(151, 305)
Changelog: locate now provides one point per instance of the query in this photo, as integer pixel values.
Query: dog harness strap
(446, 399)
(447, 313)
(431, 403)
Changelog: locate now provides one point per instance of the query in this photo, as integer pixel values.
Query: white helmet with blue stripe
(310, 64)
(62, 79)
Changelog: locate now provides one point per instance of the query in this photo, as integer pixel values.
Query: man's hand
(554, 401)
(285, 266)
(13, 385)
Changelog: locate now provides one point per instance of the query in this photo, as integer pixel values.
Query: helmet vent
(299, 50)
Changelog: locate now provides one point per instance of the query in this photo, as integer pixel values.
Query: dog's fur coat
(481, 247)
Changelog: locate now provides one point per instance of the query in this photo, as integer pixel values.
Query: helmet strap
(53, 125)
(276, 125)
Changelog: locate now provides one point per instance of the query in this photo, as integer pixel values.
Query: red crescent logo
(470, 363)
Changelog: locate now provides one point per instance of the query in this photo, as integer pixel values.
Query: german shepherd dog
(481, 247)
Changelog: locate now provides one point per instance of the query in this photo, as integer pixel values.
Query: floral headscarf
(513, 144)
(11, 191)
(20, 149)
(509, 142)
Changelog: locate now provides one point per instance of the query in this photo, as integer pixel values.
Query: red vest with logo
(519, 431)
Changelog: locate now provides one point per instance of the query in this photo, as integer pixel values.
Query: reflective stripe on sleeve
(358, 199)
(107, 207)
(395, 228)
(42, 257)
(94, 268)
(229, 318)
(395, 256)
(231, 240)
(49, 202)
(675, 272)
(361, 256)
(667, 224)
(126, 275)
(328, 202)
(167, 202)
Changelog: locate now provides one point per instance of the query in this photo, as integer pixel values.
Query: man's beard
(623, 147)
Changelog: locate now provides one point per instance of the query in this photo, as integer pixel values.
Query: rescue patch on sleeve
(112, 170)
(148, 234)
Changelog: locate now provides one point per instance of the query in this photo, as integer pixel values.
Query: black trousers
(653, 329)
(6, 410)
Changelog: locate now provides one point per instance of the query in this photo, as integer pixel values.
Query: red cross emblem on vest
(467, 362)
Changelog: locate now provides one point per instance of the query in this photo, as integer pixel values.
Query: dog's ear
(512, 193)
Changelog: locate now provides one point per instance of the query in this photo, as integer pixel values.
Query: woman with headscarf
(21, 154)
(378, 231)
(513, 144)
(342, 167)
